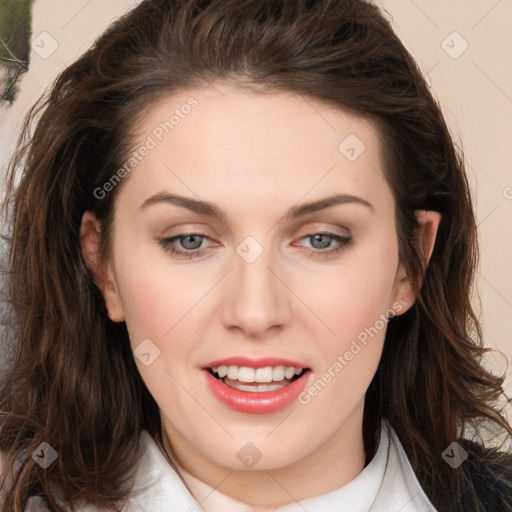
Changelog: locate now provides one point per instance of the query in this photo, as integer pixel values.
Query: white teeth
(261, 375)
(232, 372)
(246, 374)
(278, 373)
(256, 388)
(289, 372)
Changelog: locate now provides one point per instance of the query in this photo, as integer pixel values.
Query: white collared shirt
(386, 484)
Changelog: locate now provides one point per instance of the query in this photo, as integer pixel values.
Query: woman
(240, 265)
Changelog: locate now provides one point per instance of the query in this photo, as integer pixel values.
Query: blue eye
(321, 241)
(191, 244)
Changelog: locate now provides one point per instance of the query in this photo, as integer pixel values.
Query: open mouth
(256, 389)
(269, 378)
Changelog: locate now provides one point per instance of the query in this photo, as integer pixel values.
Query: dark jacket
(490, 475)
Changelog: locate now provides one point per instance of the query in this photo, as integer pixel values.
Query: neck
(335, 463)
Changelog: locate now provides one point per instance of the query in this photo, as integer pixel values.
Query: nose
(256, 299)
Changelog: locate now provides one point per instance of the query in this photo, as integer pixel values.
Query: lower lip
(259, 402)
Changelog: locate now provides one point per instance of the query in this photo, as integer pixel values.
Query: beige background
(474, 87)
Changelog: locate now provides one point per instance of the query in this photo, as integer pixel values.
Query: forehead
(232, 144)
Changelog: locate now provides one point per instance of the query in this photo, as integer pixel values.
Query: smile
(256, 389)
(253, 380)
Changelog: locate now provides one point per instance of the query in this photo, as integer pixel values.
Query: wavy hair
(72, 381)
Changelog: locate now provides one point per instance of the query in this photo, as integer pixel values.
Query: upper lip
(261, 362)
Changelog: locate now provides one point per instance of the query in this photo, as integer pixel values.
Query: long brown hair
(72, 381)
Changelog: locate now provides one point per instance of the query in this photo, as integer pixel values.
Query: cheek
(163, 302)
(149, 303)
(157, 309)
(150, 298)
(355, 305)
(355, 294)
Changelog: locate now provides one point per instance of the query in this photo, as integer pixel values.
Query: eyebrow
(212, 210)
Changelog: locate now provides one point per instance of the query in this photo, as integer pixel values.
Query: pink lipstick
(256, 386)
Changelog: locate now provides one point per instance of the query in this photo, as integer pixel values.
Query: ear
(403, 295)
(90, 230)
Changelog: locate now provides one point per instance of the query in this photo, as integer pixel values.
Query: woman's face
(257, 286)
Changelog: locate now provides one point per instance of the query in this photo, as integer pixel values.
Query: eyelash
(344, 241)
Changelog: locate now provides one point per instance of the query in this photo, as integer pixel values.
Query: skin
(255, 156)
